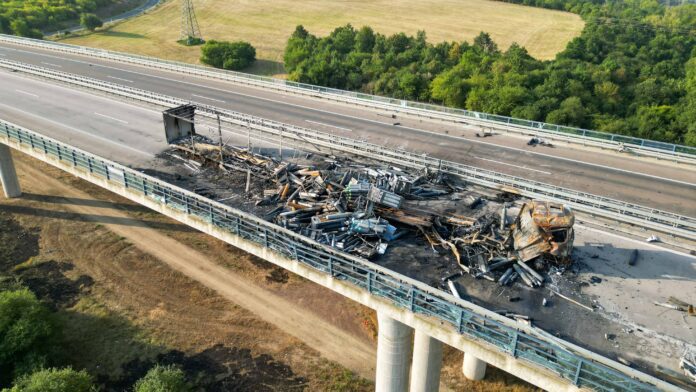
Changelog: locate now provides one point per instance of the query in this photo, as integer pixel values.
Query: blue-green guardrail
(480, 325)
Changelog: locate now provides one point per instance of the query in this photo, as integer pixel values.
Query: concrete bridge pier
(473, 368)
(427, 363)
(394, 343)
(8, 175)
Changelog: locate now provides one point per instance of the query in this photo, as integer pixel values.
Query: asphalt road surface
(661, 185)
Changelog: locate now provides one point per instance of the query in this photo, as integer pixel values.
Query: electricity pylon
(190, 32)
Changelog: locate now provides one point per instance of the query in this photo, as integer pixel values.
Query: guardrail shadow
(95, 218)
(608, 260)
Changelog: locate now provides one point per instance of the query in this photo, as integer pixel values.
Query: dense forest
(631, 71)
(29, 18)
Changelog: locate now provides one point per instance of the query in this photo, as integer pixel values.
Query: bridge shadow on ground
(103, 219)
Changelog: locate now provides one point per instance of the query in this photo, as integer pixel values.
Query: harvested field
(267, 25)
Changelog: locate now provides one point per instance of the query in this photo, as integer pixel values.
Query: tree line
(28, 18)
(631, 71)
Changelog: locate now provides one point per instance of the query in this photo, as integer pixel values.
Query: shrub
(163, 379)
(228, 55)
(25, 332)
(54, 380)
(90, 21)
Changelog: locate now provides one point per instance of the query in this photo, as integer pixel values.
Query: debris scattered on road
(688, 364)
(361, 209)
(676, 304)
(538, 141)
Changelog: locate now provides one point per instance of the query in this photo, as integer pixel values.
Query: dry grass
(267, 25)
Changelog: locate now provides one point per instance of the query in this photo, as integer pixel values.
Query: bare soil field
(133, 288)
(267, 25)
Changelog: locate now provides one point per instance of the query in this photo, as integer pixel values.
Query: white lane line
(636, 241)
(329, 125)
(508, 164)
(208, 98)
(51, 64)
(111, 118)
(26, 93)
(611, 168)
(113, 77)
(79, 130)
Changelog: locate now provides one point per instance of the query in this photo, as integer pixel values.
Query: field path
(330, 341)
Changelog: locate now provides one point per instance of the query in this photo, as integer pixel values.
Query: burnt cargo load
(363, 209)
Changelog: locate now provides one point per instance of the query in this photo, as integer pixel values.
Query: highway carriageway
(133, 135)
(658, 184)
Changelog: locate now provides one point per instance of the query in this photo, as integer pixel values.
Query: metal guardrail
(579, 367)
(571, 134)
(663, 221)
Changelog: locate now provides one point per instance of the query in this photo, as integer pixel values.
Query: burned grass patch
(221, 368)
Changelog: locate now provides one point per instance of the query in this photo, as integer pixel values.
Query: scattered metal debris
(688, 364)
(653, 238)
(676, 304)
(360, 209)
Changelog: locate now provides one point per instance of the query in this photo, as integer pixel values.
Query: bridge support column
(8, 175)
(427, 363)
(393, 354)
(473, 368)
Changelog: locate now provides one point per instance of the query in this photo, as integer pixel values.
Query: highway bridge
(121, 134)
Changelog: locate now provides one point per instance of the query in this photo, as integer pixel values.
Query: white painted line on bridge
(48, 120)
(208, 98)
(611, 168)
(508, 164)
(121, 79)
(51, 64)
(26, 93)
(111, 118)
(329, 125)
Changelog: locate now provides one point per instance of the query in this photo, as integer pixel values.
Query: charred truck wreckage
(363, 208)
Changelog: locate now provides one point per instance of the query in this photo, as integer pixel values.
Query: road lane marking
(111, 118)
(610, 168)
(79, 130)
(51, 64)
(208, 98)
(508, 164)
(329, 125)
(26, 93)
(637, 241)
(114, 77)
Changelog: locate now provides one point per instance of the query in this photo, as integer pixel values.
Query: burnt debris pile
(363, 209)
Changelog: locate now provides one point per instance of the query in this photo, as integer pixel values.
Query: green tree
(571, 112)
(25, 332)
(228, 55)
(90, 21)
(484, 42)
(54, 380)
(163, 379)
(21, 27)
